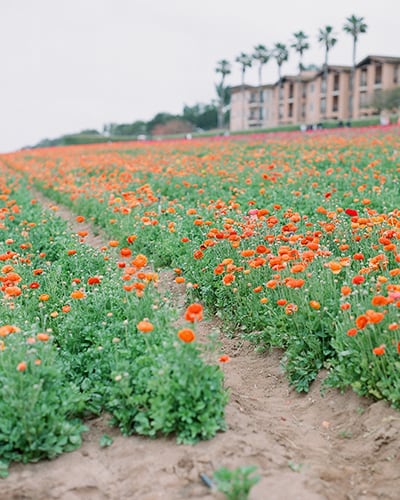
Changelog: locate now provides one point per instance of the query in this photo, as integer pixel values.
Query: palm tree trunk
(352, 75)
(242, 92)
(221, 105)
(260, 100)
(326, 82)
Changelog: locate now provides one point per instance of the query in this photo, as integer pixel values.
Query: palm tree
(354, 26)
(300, 44)
(262, 55)
(245, 61)
(327, 38)
(223, 67)
(281, 55)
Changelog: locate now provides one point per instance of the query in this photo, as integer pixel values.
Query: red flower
(358, 280)
(351, 212)
(34, 284)
(93, 280)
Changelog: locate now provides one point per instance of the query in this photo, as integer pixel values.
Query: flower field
(292, 240)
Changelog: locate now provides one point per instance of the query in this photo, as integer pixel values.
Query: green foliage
(38, 405)
(236, 484)
(168, 389)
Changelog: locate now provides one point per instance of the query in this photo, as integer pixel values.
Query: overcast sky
(68, 65)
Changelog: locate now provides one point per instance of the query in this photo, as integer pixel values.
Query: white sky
(67, 65)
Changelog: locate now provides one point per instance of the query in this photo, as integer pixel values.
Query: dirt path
(336, 446)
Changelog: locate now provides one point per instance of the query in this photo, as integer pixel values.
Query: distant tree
(300, 45)
(224, 69)
(89, 131)
(354, 26)
(281, 55)
(262, 55)
(386, 100)
(245, 62)
(327, 38)
(202, 116)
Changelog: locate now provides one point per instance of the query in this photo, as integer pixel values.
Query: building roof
(381, 59)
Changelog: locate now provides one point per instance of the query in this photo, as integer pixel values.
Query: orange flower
(71, 252)
(7, 329)
(77, 294)
(44, 297)
(352, 332)
(44, 337)
(198, 254)
(346, 290)
(224, 358)
(361, 321)
(335, 267)
(125, 252)
(12, 291)
(314, 304)
(22, 366)
(374, 316)
(179, 279)
(194, 312)
(145, 326)
(291, 309)
(228, 279)
(113, 243)
(379, 300)
(293, 283)
(80, 218)
(379, 351)
(186, 335)
(297, 268)
(281, 302)
(139, 261)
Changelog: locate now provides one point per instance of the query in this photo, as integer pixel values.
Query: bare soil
(306, 446)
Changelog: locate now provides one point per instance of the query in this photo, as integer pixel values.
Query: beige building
(313, 97)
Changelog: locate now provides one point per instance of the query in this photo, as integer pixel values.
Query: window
(363, 99)
(261, 96)
(311, 107)
(363, 77)
(335, 103)
(280, 93)
(323, 105)
(304, 90)
(291, 87)
(336, 81)
(253, 97)
(396, 72)
(323, 86)
(280, 111)
(311, 88)
(378, 74)
(290, 110)
(303, 110)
